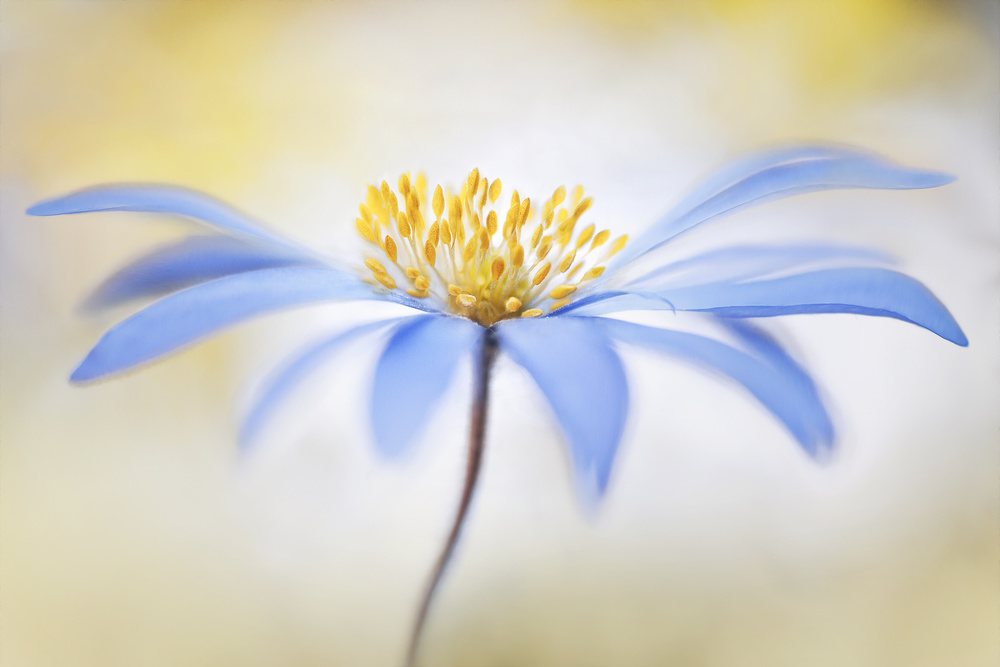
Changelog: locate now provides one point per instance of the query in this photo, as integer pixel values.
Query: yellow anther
(470, 249)
(515, 201)
(432, 234)
(484, 239)
(562, 291)
(543, 271)
(484, 188)
(421, 188)
(445, 232)
(393, 205)
(537, 235)
(558, 195)
(420, 294)
(584, 236)
(365, 230)
(454, 290)
(474, 222)
(404, 184)
(429, 253)
(523, 213)
(534, 312)
(385, 191)
(455, 211)
(495, 191)
(601, 238)
(390, 248)
(458, 231)
(517, 256)
(491, 222)
(403, 225)
(577, 195)
(438, 202)
(466, 300)
(618, 244)
(544, 247)
(412, 273)
(513, 304)
(375, 266)
(566, 262)
(496, 268)
(472, 182)
(386, 280)
(583, 206)
(593, 273)
(559, 304)
(573, 271)
(375, 199)
(366, 215)
(421, 283)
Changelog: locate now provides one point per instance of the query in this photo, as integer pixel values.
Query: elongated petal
(582, 378)
(186, 316)
(412, 374)
(774, 379)
(152, 198)
(738, 263)
(866, 291)
(277, 388)
(191, 261)
(779, 175)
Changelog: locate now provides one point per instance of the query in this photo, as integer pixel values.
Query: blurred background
(133, 535)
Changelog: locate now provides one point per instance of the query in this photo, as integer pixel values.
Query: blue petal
(737, 263)
(582, 378)
(866, 291)
(156, 199)
(194, 260)
(193, 313)
(412, 374)
(775, 380)
(282, 382)
(778, 175)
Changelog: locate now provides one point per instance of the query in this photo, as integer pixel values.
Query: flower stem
(477, 431)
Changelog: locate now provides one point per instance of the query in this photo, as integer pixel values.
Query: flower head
(541, 283)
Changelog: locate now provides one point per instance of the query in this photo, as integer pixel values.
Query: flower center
(470, 262)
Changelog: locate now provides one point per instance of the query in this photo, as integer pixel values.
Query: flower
(468, 275)
(482, 280)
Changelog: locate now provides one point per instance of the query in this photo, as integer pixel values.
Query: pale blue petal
(774, 380)
(277, 388)
(582, 378)
(194, 260)
(615, 301)
(865, 291)
(186, 316)
(413, 373)
(737, 263)
(780, 175)
(151, 198)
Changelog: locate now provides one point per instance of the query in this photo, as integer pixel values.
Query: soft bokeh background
(131, 535)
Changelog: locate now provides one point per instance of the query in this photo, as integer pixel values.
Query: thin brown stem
(477, 431)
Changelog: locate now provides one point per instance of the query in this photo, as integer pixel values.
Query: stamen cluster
(474, 265)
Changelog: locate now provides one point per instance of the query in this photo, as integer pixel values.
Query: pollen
(467, 251)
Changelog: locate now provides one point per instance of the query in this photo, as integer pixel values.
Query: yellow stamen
(386, 280)
(562, 291)
(466, 300)
(375, 266)
(390, 249)
(421, 283)
(513, 304)
(534, 312)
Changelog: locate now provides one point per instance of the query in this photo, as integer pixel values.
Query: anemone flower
(481, 281)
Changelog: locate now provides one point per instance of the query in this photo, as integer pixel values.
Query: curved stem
(477, 431)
